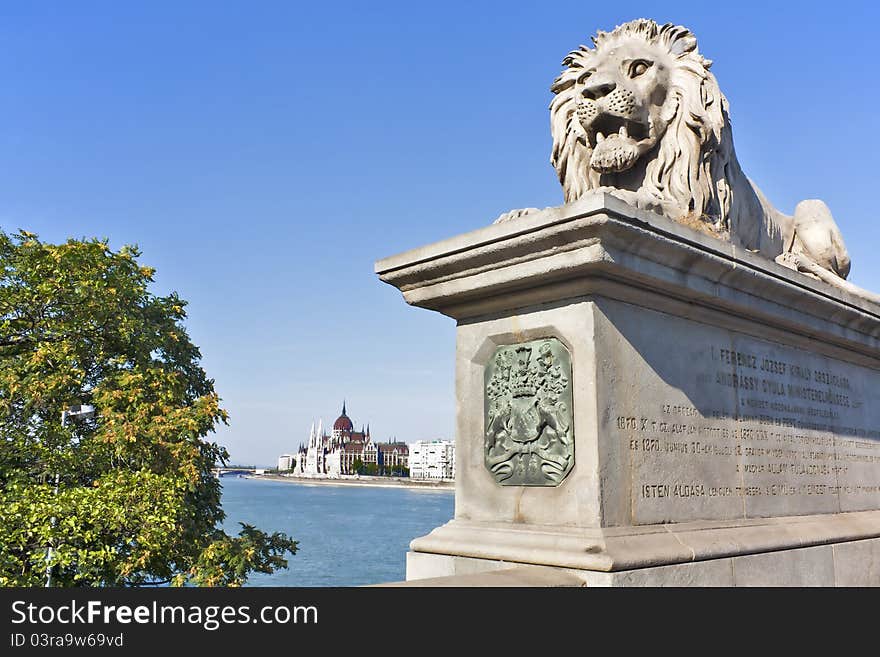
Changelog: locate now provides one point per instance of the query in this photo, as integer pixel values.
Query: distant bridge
(233, 470)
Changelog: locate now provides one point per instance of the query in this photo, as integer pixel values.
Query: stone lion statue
(641, 117)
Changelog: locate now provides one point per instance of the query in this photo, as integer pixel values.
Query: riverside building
(286, 462)
(343, 451)
(432, 459)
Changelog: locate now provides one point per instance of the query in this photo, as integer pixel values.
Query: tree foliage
(398, 471)
(136, 501)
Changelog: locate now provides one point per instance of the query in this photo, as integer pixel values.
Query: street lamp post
(79, 412)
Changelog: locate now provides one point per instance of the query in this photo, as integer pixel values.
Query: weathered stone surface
(807, 567)
(723, 405)
(574, 501)
(857, 563)
(611, 549)
(508, 575)
(843, 564)
(708, 423)
(716, 572)
(422, 565)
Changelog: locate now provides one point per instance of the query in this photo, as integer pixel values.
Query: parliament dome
(343, 422)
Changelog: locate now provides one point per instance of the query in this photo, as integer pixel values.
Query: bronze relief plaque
(529, 437)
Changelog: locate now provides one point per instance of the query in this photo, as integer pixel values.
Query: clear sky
(264, 154)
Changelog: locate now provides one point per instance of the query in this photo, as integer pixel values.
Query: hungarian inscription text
(753, 429)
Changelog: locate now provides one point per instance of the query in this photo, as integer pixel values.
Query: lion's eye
(639, 67)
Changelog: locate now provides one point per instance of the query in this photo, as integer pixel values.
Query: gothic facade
(343, 451)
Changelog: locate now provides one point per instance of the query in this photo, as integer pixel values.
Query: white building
(432, 459)
(286, 462)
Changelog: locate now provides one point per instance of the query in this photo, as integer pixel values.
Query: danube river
(348, 535)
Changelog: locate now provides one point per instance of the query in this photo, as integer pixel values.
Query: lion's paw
(643, 200)
(515, 214)
(652, 202)
(790, 260)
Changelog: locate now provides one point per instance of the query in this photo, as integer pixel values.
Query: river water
(348, 535)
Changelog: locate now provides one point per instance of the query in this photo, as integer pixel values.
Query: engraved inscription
(752, 449)
(722, 425)
(804, 384)
(529, 439)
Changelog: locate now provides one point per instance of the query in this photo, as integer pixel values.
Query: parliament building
(343, 451)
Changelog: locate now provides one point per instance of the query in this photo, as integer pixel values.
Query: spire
(343, 407)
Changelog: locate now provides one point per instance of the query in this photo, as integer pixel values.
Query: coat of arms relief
(528, 414)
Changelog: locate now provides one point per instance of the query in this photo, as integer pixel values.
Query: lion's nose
(594, 90)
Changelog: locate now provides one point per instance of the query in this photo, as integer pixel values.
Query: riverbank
(374, 482)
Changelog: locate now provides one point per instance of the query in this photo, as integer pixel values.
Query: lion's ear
(713, 105)
(707, 95)
(670, 108)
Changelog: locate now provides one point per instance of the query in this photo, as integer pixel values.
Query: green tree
(126, 496)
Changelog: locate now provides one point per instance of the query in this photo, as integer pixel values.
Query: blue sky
(264, 154)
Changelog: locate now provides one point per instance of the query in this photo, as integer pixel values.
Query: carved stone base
(850, 564)
(722, 405)
(640, 551)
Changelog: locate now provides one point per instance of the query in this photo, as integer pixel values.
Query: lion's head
(641, 112)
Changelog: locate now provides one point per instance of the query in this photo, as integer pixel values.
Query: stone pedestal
(725, 410)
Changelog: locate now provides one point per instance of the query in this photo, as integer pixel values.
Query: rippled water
(348, 536)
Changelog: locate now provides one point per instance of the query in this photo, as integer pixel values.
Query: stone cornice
(602, 246)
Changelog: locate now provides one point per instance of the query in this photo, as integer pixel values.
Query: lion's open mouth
(608, 126)
(617, 142)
